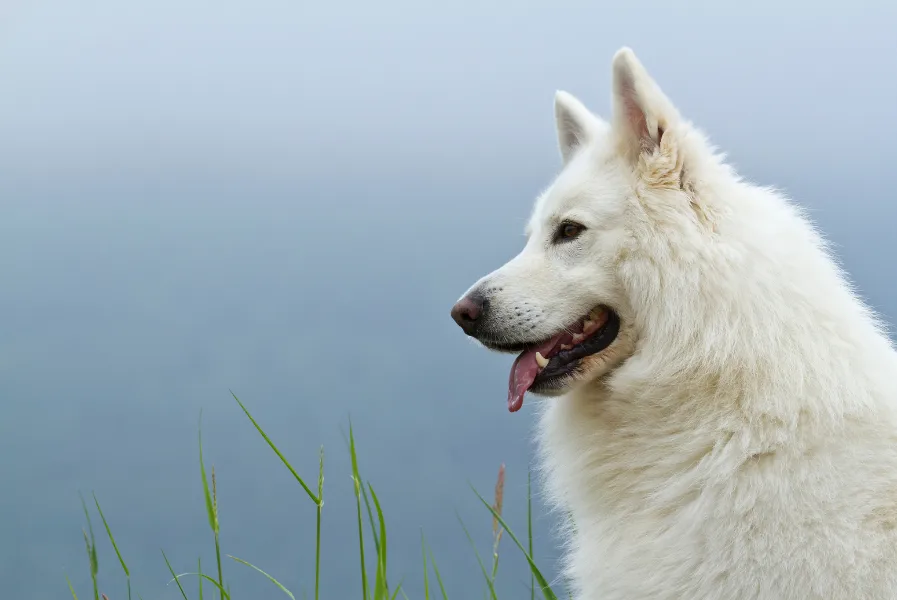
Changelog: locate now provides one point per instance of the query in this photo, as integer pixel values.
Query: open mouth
(543, 365)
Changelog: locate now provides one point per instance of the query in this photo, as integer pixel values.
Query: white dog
(723, 422)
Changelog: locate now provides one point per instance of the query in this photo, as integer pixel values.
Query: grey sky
(294, 87)
(285, 198)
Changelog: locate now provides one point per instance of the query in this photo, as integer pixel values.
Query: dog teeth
(587, 324)
(541, 360)
(578, 338)
(565, 346)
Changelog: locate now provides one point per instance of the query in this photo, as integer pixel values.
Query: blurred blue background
(284, 199)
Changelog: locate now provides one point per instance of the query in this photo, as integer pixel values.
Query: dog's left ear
(642, 113)
(576, 125)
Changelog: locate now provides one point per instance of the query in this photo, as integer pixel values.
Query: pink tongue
(525, 370)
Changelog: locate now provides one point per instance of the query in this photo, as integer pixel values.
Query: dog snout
(469, 312)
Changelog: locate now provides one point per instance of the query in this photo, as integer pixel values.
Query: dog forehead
(570, 192)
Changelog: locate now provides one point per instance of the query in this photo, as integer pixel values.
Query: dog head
(564, 303)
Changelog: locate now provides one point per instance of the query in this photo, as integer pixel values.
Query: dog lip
(565, 362)
(509, 348)
(517, 347)
(554, 381)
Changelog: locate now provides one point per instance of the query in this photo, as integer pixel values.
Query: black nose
(469, 312)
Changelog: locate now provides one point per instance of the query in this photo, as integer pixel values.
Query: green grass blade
(436, 572)
(199, 570)
(364, 494)
(218, 559)
(93, 575)
(364, 578)
(479, 560)
(271, 579)
(494, 565)
(396, 593)
(357, 483)
(71, 589)
(546, 589)
(320, 506)
(423, 551)
(91, 552)
(210, 508)
(283, 459)
(176, 580)
(94, 565)
(225, 593)
(91, 544)
(124, 567)
(321, 476)
(371, 521)
(353, 454)
(317, 549)
(381, 591)
(529, 527)
(356, 475)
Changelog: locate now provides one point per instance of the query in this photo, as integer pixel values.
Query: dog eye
(567, 231)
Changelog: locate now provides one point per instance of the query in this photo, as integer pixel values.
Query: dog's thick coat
(739, 439)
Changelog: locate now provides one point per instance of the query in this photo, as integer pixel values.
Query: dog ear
(576, 125)
(642, 113)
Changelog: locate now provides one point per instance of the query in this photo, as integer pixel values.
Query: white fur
(739, 439)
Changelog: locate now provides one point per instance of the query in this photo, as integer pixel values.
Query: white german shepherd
(724, 413)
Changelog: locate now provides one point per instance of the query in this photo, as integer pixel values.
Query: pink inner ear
(634, 113)
(636, 118)
(572, 132)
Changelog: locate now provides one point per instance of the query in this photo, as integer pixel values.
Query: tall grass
(377, 589)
